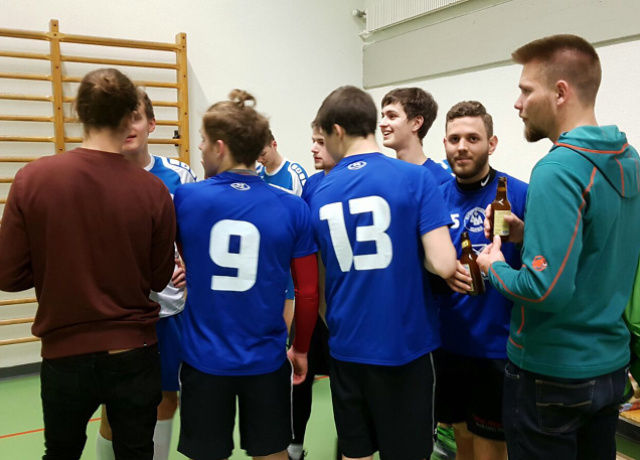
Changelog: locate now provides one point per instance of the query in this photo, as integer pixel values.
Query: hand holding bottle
(516, 226)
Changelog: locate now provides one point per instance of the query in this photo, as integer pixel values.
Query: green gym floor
(21, 435)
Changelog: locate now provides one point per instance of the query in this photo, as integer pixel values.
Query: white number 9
(245, 261)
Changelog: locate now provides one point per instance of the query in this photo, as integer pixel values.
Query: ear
(274, 145)
(493, 143)
(221, 148)
(152, 125)
(562, 92)
(417, 123)
(339, 131)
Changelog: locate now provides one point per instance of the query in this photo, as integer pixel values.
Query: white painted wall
(497, 88)
(288, 53)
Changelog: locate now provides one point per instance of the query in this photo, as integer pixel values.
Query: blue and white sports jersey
(289, 176)
(440, 169)
(312, 183)
(173, 173)
(368, 215)
(478, 325)
(238, 236)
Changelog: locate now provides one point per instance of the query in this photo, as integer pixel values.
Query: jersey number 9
(245, 260)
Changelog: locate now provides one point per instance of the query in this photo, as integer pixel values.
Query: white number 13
(381, 214)
(245, 260)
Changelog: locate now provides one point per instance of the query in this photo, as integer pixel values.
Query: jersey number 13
(333, 213)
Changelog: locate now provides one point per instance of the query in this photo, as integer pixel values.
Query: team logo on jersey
(240, 186)
(474, 220)
(539, 263)
(357, 165)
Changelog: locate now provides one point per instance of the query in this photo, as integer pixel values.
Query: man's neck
(360, 145)
(142, 159)
(412, 154)
(273, 167)
(239, 168)
(584, 117)
(104, 141)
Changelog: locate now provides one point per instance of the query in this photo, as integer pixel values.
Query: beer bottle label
(466, 267)
(500, 226)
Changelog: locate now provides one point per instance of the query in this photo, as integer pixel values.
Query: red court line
(92, 420)
(35, 431)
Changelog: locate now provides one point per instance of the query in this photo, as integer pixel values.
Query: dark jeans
(550, 418)
(73, 388)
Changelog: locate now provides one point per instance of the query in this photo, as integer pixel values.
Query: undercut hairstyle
(471, 109)
(415, 102)
(351, 108)
(270, 138)
(238, 125)
(565, 57)
(148, 106)
(105, 98)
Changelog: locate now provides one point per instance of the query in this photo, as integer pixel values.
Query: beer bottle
(468, 260)
(499, 209)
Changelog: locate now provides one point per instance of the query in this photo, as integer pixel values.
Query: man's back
(238, 236)
(99, 235)
(368, 215)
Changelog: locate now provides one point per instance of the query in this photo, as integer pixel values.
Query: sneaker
(304, 454)
(445, 445)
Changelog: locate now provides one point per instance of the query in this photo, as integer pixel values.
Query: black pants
(318, 362)
(73, 388)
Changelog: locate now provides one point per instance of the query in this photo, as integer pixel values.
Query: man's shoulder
(183, 170)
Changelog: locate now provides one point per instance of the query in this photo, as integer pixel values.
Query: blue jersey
(368, 215)
(238, 236)
(289, 176)
(440, 170)
(173, 173)
(311, 185)
(478, 325)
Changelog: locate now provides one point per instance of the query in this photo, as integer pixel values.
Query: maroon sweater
(93, 234)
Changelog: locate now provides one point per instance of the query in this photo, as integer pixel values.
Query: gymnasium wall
(463, 52)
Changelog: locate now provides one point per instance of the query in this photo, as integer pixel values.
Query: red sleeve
(305, 280)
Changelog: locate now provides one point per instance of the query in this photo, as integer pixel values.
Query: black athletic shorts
(470, 389)
(208, 412)
(384, 408)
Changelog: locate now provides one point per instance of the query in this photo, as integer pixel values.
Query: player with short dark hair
(378, 220)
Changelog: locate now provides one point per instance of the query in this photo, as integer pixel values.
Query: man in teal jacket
(568, 347)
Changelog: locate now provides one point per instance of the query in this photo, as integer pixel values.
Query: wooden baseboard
(19, 371)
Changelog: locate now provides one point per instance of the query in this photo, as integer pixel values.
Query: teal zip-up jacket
(579, 255)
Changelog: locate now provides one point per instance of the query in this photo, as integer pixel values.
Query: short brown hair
(415, 102)
(565, 57)
(148, 106)
(239, 125)
(105, 98)
(351, 108)
(471, 109)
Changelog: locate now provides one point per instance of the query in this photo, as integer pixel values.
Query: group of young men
(535, 366)
(549, 328)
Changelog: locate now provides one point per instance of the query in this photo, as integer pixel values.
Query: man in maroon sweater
(93, 234)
